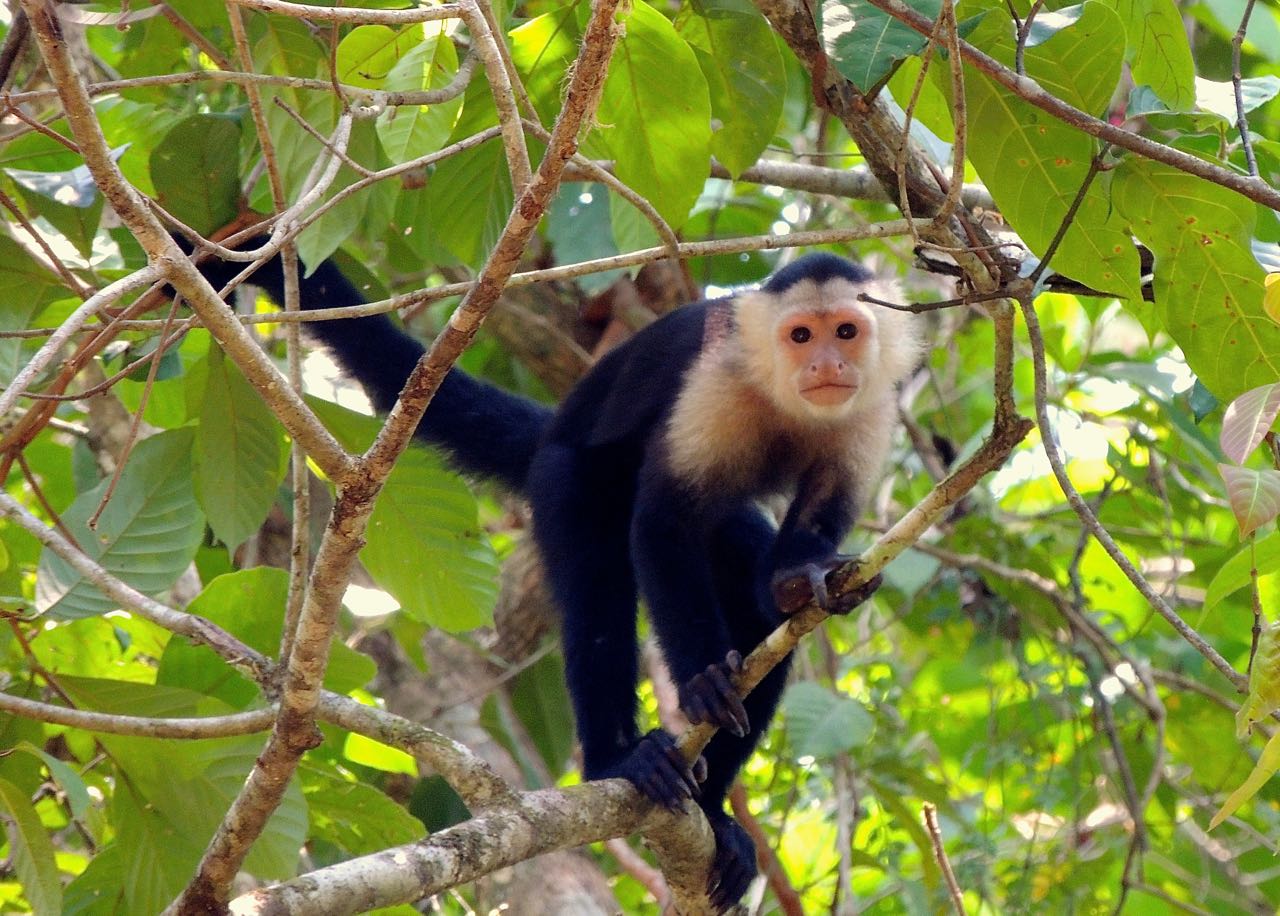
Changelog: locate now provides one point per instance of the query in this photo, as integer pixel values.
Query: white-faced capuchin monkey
(647, 482)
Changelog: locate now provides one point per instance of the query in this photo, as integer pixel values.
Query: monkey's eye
(801, 334)
(847, 331)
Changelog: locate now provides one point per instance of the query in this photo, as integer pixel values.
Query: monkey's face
(822, 357)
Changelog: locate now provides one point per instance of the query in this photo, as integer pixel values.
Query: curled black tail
(484, 430)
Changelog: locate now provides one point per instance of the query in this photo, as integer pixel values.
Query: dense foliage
(1074, 744)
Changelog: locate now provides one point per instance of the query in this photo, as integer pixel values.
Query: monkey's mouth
(828, 394)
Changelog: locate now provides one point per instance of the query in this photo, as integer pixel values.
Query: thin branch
(1091, 522)
(187, 727)
(929, 814)
(355, 15)
(1237, 84)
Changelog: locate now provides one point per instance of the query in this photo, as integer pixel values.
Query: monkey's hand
(656, 767)
(795, 586)
(735, 861)
(709, 696)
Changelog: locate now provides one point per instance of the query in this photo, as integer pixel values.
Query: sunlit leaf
(1268, 763)
(30, 850)
(146, 536)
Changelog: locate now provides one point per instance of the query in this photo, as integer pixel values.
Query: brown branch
(930, 815)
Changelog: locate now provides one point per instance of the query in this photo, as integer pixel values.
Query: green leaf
(1268, 763)
(353, 816)
(196, 171)
(426, 548)
(865, 42)
(240, 453)
(72, 785)
(579, 230)
(470, 193)
(539, 698)
(250, 605)
(739, 58)
(1034, 165)
(655, 115)
(31, 851)
(1208, 286)
(1235, 574)
(823, 724)
(25, 287)
(146, 536)
(379, 756)
(1263, 697)
(1157, 49)
(369, 209)
(369, 52)
(171, 795)
(409, 131)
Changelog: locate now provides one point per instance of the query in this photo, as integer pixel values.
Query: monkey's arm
(670, 535)
(807, 546)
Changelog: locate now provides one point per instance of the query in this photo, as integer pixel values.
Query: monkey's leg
(580, 521)
(741, 550)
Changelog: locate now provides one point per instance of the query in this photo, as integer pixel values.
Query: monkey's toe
(656, 767)
(734, 867)
(709, 696)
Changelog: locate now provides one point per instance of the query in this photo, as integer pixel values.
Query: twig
(190, 727)
(930, 815)
(1237, 84)
(1090, 520)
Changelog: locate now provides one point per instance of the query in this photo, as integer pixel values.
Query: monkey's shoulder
(632, 388)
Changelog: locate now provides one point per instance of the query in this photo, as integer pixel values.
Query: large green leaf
(240, 453)
(25, 286)
(146, 536)
(865, 42)
(1236, 573)
(171, 795)
(367, 54)
(739, 57)
(410, 131)
(249, 604)
(426, 548)
(1208, 286)
(196, 171)
(469, 195)
(1158, 52)
(1034, 165)
(353, 816)
(655, 115)
(822, 723)
(30, 851)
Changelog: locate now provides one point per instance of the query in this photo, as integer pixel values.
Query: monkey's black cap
(819, 267)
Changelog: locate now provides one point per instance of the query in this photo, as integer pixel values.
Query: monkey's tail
(483, 430)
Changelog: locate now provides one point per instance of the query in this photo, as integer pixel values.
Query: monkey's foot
(709, 696)
(656, 767)
(796, 586)
(735, 863)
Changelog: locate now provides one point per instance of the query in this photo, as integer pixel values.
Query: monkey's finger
(730, 713)
(734, 661)
(682, 771)
(817, 576)
(700, 769)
